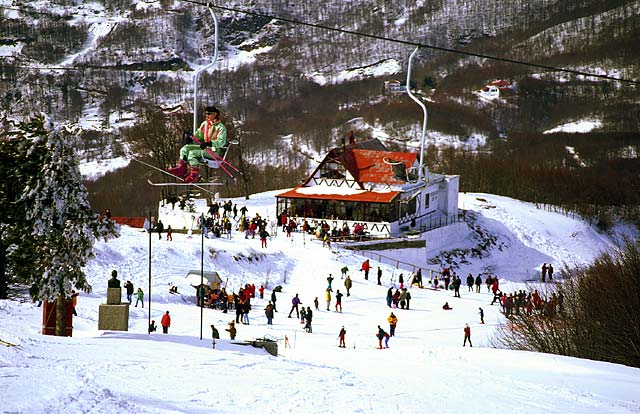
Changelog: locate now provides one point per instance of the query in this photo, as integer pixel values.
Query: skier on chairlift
(212, 136)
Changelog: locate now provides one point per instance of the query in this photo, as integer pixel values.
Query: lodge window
(336, 210)
(332, 170)
(408, 208)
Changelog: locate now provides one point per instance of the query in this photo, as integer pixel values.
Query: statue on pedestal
(114, 282)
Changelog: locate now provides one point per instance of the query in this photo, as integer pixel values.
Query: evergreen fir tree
(15, 166)
(60, 219)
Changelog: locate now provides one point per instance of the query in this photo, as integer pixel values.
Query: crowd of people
(220, 220)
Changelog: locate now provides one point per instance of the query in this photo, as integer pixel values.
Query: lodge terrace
(366, 183)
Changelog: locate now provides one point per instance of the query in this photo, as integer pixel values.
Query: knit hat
(211, 110)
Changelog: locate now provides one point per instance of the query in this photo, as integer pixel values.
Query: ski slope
(425, 370)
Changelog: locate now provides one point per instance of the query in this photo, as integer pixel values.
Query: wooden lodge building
(364, 182)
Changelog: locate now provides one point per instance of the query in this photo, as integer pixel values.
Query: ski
(205, 183)
(206, 190)
(8, 344)
(221, 161)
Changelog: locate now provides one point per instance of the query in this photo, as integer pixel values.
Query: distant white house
(394, 87)
(489, 92)
(496, 89)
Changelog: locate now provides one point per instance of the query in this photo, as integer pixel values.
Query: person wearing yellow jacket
(393, 321)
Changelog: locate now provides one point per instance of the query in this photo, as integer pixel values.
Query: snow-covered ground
(426, 369)
(582, 126)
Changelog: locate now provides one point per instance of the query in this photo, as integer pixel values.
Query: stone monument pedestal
(114, 296)
(114, 316)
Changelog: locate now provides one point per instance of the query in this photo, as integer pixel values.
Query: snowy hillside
(425, 369)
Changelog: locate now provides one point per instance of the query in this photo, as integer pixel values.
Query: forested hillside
(112, 69)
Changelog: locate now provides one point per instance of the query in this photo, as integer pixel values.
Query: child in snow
(232, 330)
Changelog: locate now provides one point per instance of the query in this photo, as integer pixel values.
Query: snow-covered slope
(426, 369)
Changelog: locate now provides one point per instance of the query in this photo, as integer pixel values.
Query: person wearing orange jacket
(366, 267)
(393, 321)
(165, 322)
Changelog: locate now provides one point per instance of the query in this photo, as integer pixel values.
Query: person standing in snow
(303, 314)
(396, 298)
(169, 233)
(467, 336)
(165, 322)
(263, 237)
(366, 267)
(402, 300)
(261, 291)
(159, 229)
(379, 276)
(329, 280)
(389, 296)
(550, 272)
(129, 287)
(316, 303)
(139, 298)
(309, 318)
(273, 300)
(232, 330)
(341, 335)
(481, 315)
(238, 303)
(456, 286)
(393, 321)
(347, 284)
(470, 281)
(339, 301)
(246, 308)
(74, 301)
(478, 283)
(268, 312)
(214, 335)
(328, 298)
(294, 305)
(489, 282)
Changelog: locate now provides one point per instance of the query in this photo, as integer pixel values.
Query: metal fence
(398, 264)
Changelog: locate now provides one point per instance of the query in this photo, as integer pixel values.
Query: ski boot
(194, 176)
(179, 171)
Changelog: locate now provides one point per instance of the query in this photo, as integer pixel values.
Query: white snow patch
(92, 170)
(386, 67)
(582, 126)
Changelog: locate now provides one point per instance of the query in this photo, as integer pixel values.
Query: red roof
(375, 166)
(365, 196)
(501, 84)
(137, 222)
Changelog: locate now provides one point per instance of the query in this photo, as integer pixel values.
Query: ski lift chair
(211, 163)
